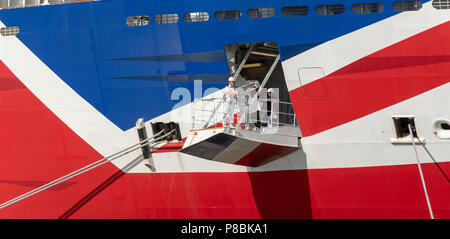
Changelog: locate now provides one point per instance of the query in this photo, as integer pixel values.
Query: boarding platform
(242, 147)
(259, 125)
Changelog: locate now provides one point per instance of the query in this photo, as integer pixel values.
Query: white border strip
(342, 51)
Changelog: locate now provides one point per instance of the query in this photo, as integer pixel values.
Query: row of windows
(331, 9)
(29, 3)
(407, 5)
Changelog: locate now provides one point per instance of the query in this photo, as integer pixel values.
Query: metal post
(215, 116)
(145, 147)
(266, 78)
(244, 61)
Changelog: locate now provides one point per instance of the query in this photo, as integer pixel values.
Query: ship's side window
(332, 9)
(228, 15)
(65, 1)
(3, 4)
(441, 4)
(261, 12)
(166, 18)
(15, 3)
(295, 11)
(368, 7)
(9, 31)
(33, 2)
(138, 21)
(28, 3)
(409, 5)
(196, 17)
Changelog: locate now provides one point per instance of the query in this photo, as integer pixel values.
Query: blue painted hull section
(130, 72)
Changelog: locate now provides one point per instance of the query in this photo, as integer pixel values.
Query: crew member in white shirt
(231, 94)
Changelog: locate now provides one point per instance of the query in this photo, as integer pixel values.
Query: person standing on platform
(231, 95)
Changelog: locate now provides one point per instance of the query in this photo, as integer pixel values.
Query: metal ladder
(266, 78)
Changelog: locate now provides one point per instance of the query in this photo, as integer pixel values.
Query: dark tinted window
(410, 5)
(368, 7)
(228, 15)
(441, 4)
(196, 17)
(166, 18)
(294, 11)
(261, 12)
(9, 31)
(332, 9)
(445, 126)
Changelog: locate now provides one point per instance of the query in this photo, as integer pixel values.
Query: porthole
(441, 128)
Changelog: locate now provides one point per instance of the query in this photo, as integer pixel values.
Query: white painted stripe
(324, 150)
(87, 122)
(367, 141)
(65, 103)
(337, 53)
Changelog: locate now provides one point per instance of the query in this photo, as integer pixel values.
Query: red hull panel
(389, 76)
(373, 192)
(37, 147)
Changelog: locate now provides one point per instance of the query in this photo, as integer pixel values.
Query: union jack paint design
(76, 78)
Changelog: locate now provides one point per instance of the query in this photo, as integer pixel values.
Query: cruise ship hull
(71, 91)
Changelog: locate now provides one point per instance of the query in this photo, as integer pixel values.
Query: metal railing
(210, 112)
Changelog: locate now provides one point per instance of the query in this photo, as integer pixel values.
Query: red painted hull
(382, 79)
(37, 147)
(370, 192)
(378, 192)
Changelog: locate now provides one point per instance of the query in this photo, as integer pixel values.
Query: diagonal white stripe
(336, 54)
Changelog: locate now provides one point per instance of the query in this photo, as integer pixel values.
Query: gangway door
(242, 147)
